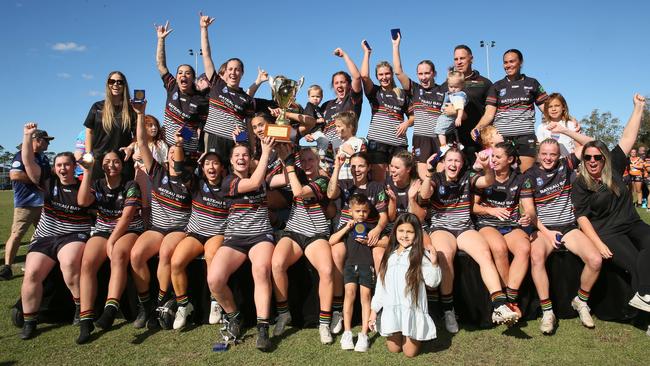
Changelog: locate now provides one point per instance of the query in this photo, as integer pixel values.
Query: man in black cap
(28, 198)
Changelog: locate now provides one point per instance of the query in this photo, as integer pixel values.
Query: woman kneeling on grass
(118, 225)
(400, 292)
(61, 233)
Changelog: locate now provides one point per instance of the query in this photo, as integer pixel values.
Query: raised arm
(488, 178)
(365, 67)
(427, 186)
(161, 59)
(333, 190)
(579, 138)
(352, 68)
(631, 130)
(262, 77)
(141, 135)
(257, 178)
(208, 65)
(32, 169)
(85, 196)
(397, 64)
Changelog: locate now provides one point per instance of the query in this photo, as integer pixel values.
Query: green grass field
(609, 343)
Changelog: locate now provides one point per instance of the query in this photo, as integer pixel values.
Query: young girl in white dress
(400, 292)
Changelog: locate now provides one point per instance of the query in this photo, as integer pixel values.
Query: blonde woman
(110, 124)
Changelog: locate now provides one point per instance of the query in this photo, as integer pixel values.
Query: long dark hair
(511, 151)
(413, 277)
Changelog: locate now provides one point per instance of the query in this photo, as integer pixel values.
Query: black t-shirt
(355, 252)
(117, 138)
(608, 213)
(317, 113)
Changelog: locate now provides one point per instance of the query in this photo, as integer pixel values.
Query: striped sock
(546, 304)
(432, 296)
(87, 315)
(30, 317)
(143, 297)
(233, 315)
(447, 301)
(498, 298)
(337, 303)
(583, 295)
(512, 294)
(325, 317)
(111, 301)
(161, 295)
(77, 301)
(262, 321)
(282, 306)
(182, 300)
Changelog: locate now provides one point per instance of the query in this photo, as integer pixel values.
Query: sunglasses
(595, 157)
(116, 82)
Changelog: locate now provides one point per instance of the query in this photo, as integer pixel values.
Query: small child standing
(489, 137)
(315, 95)
(345, 124)
(358, 270)
(401, 293)
(458, 99)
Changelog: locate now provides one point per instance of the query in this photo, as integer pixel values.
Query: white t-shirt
(566, 143)
(357, 145)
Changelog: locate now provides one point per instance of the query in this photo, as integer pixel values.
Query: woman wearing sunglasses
(605, 212)
(110, 124)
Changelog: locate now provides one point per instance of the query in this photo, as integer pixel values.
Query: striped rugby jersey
(426, 105)
(228, 108)
(61, 214)
(552, 191)
(170, 200)
(351, 102)
(110, 204)
(376, 195)
(450, 203)
(307, 215)
(183, 110)
(209, 209)
(505, 195)
(515, 102)
(388, 110)
(248, 214)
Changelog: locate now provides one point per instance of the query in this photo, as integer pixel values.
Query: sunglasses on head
(116, 82)
(598, 157)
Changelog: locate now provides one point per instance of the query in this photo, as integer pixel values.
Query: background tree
(603, 127)
(644, 132)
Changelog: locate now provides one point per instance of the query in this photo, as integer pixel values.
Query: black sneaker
(29, 330)
(5, 273)
(263, 343)
(108, 317)
(144, 312)
(86, 327)
(77, 317)
(231, 329)
(17, 317)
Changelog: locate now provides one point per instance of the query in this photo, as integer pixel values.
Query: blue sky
(56, 55)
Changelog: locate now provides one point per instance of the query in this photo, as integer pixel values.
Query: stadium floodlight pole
(196, 58)
(487, 45)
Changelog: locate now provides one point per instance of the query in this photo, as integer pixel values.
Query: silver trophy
(284, 93)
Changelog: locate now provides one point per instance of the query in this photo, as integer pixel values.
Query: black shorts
(503, 230)
(245, 243)
(222, 146)
(424, 147)
(201, 238)
(51, 245)
(564, 229)
(167, 231)
(361, 274)
(302, 240)
(380, 153)
(636, 178)
(526, 145)
(106, 234)
(455, 232)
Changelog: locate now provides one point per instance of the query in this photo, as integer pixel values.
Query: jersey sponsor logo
(16, 164)
(206, 189)
(502, 92)
(540, 181)
(441, 190)
(165, 180)
(55, 191)
(175, 96)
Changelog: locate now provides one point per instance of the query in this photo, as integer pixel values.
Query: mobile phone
(138, 96)
(477, 134)
(241, 137)
(558, 239)
(394, 32)
(186, 133)
(367, 45)
(434, 161)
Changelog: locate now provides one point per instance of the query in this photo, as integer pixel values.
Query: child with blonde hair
(489, 137)
(458, 99)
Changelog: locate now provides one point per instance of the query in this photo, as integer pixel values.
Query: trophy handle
(301, 81)
(270, 81)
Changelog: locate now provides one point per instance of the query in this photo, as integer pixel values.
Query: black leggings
(631, 251)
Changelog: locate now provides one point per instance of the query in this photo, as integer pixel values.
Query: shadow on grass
(287, 333)
(8, 363)
(516, 331)
(441, 343)
(140, 338)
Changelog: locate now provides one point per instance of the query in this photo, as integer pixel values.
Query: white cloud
(87, 76)
(95, 93)
(69, 46)
(64, 75)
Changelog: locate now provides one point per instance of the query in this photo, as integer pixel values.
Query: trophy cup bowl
(284, 93)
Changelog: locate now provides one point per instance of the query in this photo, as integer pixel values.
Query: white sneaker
(548, 322)
(641, 302)
(583, 312)
(337, 322)
(450, 321)
(504, 315)
(182, 313)
(281, 322)
(347, 343)
(443, 150)
(216, 313)
(362, 343)
(325, 334)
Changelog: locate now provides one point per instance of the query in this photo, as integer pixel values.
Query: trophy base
(280, 133)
